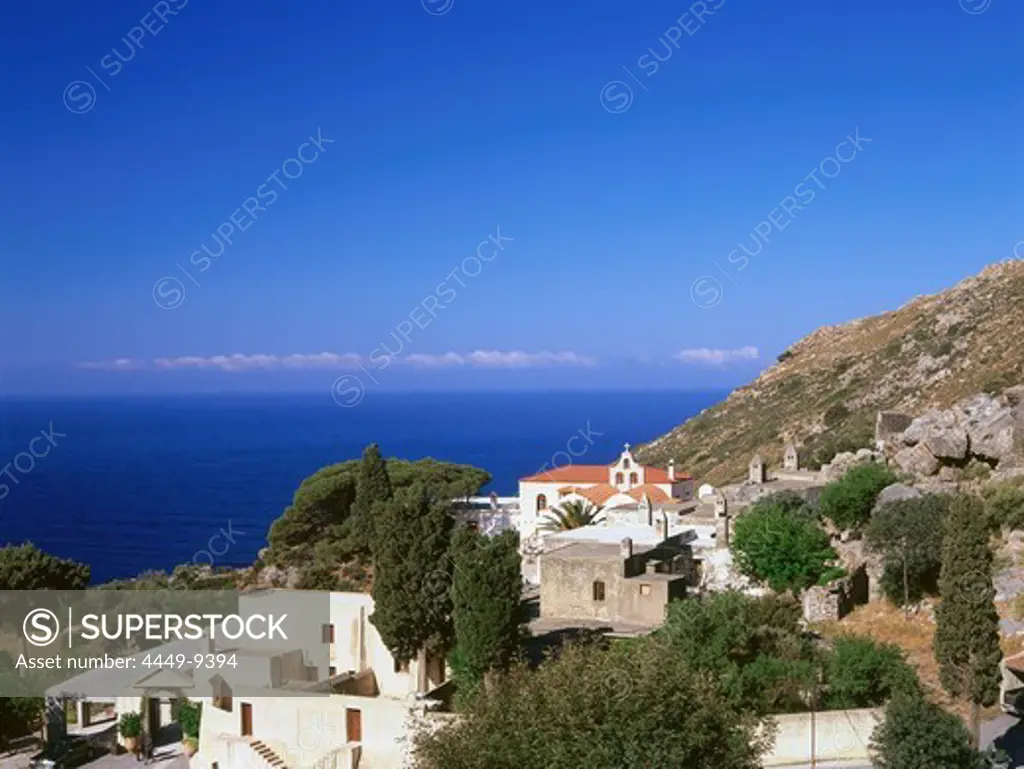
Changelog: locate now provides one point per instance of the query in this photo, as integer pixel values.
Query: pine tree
(373, 490)
(487, 588)
(412, 574)
(967, 625)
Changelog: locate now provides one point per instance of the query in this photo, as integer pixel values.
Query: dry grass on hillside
(886, 623)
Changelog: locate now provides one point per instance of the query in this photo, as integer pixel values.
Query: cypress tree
(412, 574)
(373, 490)
(487, 587)
(967, 625)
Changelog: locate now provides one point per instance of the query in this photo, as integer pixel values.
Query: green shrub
(782, 546)
(915, 734)
(860, 673)
(848, 501)
(1004, 504)
(189, 717)
(130, 725)
(752, 648)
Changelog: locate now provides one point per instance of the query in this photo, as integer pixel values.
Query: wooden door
(246, 719)
(353, 725)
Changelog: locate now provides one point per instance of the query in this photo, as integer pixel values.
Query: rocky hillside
(824, 392)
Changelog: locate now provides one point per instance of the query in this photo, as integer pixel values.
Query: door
(353, 725)
(246, 719)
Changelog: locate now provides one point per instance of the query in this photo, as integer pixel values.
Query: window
(625, 464)
(633, 478)
(618, 479)
(332, 671)
(645, 590)
(402, 667)
(223, 702)
(542, 502)
(327, 634)
(599, 591)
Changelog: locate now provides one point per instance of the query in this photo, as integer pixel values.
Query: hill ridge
(824, 391)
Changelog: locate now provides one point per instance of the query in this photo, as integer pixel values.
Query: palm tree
(572, 514)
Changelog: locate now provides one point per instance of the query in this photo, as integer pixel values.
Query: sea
(135, 483)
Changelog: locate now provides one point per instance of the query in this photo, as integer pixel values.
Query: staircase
(268, 756)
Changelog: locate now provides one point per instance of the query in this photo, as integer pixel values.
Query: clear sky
(619, 153)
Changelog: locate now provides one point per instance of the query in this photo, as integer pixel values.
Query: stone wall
(837, 599)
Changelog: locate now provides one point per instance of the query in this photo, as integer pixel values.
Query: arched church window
(633, 479)
(625, 463)
(618, 478)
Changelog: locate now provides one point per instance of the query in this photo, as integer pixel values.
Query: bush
(130, 725)
(18, 715)
(593, 707)
(752, 648)
(189, 717)
(781, 546)
(848, 501)
(916, 734)
(318, 577)
(835, 414)
(863, 674)
(1004, 505)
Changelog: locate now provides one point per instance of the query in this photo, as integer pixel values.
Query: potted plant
(130, 727)
(189, 716)
(189, 746)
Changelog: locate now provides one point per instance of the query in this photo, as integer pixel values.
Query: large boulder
(992, 424)
(940, 432)
(844, 460)
(895, 493)
(917, 459)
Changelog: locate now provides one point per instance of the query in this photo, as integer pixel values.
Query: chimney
(672, 470)
(626, 548)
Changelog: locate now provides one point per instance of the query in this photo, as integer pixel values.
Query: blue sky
(446, 125)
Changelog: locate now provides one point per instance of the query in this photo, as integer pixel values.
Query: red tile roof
(599, 494)
(571, 474)
(654, 492)
(597, 474)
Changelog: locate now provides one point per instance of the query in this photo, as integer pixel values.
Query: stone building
(621, 484)
(832, 602)
(722, 522)
(758, 471)
(791, 458)
(620, 584)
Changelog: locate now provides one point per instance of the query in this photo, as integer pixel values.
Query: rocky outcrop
(982, 428)
(917, 460)
(276, 576)
(895, 493)
(843, 461)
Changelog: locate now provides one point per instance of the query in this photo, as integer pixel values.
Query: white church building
(623, 484)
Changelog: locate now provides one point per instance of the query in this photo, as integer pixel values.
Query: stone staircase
(267, 754)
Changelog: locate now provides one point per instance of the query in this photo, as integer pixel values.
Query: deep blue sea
(137, 483)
